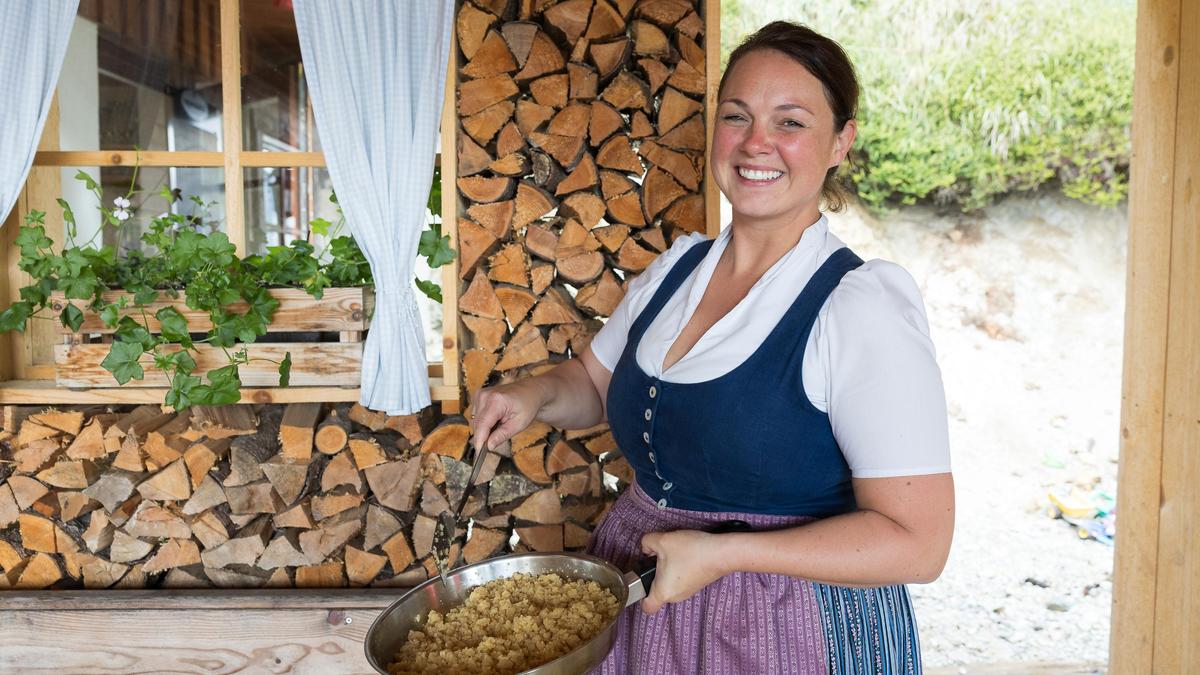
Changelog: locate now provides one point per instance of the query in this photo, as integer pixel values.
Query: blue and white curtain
(376, 71)
(33, 42)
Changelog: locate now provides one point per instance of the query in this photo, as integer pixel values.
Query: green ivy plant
(180, 253)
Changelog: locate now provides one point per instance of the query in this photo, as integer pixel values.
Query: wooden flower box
(325, 340)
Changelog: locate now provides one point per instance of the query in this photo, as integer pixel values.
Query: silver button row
(653, 392)
(647, 415)
(668, 486)
(646, 436)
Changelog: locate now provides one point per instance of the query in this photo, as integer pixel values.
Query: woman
(774, 377)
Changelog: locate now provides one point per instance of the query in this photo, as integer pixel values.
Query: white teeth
(751, 174)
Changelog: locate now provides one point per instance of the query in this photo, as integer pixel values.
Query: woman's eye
(732, 118)
(793, 124)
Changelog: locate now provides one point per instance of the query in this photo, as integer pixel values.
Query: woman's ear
(842, 143)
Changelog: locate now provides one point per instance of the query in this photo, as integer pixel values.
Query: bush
(965, 101)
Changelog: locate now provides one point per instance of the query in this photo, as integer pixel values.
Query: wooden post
(712, 72)
(1156, 601)
(449, 169)
(231, 121)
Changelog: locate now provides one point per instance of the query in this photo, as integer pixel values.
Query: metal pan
(391, 627)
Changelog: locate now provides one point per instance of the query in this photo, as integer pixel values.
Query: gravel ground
(1026, 303)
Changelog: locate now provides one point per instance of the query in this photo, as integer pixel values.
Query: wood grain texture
(1177, 601)
(229, 640)
(164, 158)
(712, 69)
(46, 392)
(450, 208)
(340, 309)
(231, 122)
(1156, 92)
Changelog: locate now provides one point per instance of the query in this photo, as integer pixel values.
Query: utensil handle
(645, 569)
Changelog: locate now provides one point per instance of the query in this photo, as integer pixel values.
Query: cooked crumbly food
(507, 626)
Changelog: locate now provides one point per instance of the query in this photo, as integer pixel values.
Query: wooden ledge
(46, 392)
(201, 598)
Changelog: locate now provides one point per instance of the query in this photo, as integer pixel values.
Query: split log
(603, 123)
(526, 346)
(89, 444)
(286, 477)
(333, 433)
(689, 135)
(448, 439)
(366, 451)
(514, 164)
(555, 307)
(483, 126)
(575, 536)
(70, 475)
(543, 506)
(340, 471)
(472, 158)
(542, 538)
(541, 275)
(582, 177)
(209, 530)
(575, 239)
(690, 51)
(547, 174)
(687, 214)
(483, 543)
(332, 534)
(422, 535)
(534, 433)
(491, 58)
(37, 455)
(381, 525)
(496, 217)
(628, 92)
(650, 40)
(394, 484)
(531, 462)
(653, 238)
(510, 141)
(665, 13)
(619, 468)
(519, 36)
(640, 126)
(207, 495)
(531, 116)
(602, 297)
(32, 431)
(659, 191)
(688, 79)
(583, 80)
(509, 265)
(100, 573)
(225, 421)
(541, 242)
(532, 203)
(614, 184)
(41, 571)
(125, 548)
(605, 22)
(691, 25)
(203, 455)
(488, 334)
(67, 422)
(626, 208)
(151, 520)
(170, 484)
(544, 57)
(568, 19)
(362, 567)
(174, 553)
(586, 207)
(486, 190)
(299, 516)
(99, 533)
(677, 164)
(129, 456)
(608, 56)
(565, 455)
(516, 301)
(283, 551)
(329, 575)
(551, 90)
(480, 299)
(254, 498)
(472, 26)
(507, 487)
(601, 444)
(37, 533)
(328, 505)
(675, 108)
(8, 506)
(617, 153)
(633, 257)
(476, 95)
(111, 489)
(399, 552)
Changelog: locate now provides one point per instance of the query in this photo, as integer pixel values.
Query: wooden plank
(201, 599)
(1147, 294)
(283, 159)
(712, 72)
(451, 348)
(127, 158)
(8, 232)
(35, 347)
(313, 364)
(341, 309)
(46, 392)
(313, 641)
(231, 121)
(1177, 602)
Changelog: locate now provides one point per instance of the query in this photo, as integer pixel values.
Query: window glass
(142, 75)
(276, 110)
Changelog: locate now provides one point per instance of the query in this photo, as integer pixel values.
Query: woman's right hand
(503, 411)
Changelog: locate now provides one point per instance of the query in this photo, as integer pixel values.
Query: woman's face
(774, 139)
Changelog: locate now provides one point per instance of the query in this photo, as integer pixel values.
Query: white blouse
(869, 362)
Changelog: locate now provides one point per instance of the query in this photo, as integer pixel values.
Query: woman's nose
(757, 140)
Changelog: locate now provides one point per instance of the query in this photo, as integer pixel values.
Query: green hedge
(965, 101)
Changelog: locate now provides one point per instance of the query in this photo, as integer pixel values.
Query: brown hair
(826, 60)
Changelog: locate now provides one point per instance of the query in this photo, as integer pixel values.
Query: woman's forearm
(568, 399)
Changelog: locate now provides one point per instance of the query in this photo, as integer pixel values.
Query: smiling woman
(772, 376)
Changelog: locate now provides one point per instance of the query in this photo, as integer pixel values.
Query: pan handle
(641, 578)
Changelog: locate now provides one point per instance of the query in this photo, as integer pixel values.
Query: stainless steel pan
(391, 627)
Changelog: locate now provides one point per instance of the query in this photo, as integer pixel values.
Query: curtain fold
(33, 42)
(376, 72)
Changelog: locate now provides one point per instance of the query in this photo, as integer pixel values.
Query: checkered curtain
(33, 42)
(376, 71)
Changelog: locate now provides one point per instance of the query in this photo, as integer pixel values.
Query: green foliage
(963, 101)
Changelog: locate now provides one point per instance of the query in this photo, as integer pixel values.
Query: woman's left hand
(688, 560)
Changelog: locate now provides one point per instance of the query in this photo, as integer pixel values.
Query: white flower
(121, 203)
(175, 227)
(204, 229)
(121, 215)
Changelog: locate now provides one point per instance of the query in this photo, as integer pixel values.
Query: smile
(753, 174)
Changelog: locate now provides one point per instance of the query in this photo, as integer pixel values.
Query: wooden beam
(203, 599)
(249, 158)
(1148, 299)
(451, 349)
(8, 232)
(712, 72)
(231, 122)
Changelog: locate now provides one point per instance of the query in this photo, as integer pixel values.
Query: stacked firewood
(304, 495)
(580, 158)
